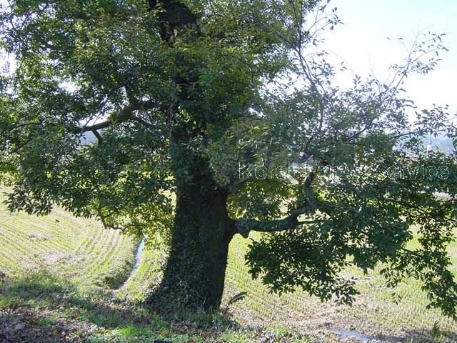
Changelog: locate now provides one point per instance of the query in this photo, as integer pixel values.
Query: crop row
(79, 249)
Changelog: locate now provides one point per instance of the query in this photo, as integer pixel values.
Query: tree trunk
(195, 272)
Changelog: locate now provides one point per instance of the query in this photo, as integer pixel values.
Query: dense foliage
(213, 118)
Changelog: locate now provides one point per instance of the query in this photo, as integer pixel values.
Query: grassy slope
(80, 250)
(63, 279)
(374, 314)
(78, 256)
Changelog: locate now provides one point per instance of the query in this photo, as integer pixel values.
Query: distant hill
(439, 143)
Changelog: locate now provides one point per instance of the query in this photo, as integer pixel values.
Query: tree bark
(195, 272)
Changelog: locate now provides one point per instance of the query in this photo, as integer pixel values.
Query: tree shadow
(44, 308)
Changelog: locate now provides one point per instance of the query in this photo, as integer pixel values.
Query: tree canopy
(213, 118)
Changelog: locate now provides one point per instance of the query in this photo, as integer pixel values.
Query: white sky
(362, 42)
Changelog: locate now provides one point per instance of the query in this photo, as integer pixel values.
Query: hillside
(64, 279)
(77, 248)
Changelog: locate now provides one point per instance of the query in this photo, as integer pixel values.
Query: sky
(361, 42)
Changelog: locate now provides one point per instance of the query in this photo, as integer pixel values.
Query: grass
(63, 279)
(148, 272)
(49, 309)
(79, 249)
(67, 279)
(375, 314)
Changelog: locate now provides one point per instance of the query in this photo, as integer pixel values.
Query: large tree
(213, 119)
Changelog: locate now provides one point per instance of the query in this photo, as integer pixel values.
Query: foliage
(227, 93)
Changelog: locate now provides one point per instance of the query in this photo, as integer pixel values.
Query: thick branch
(126, 114)
(98, 136)
(243, 227)
(103, 220)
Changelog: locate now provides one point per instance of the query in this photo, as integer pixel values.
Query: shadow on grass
(44, 308)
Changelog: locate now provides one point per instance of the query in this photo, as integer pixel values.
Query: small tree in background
(211, 120)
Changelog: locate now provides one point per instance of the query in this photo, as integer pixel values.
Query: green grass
(53, 309)
(148, 272)
(375, 312)
(79, 249)
(64, 277)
